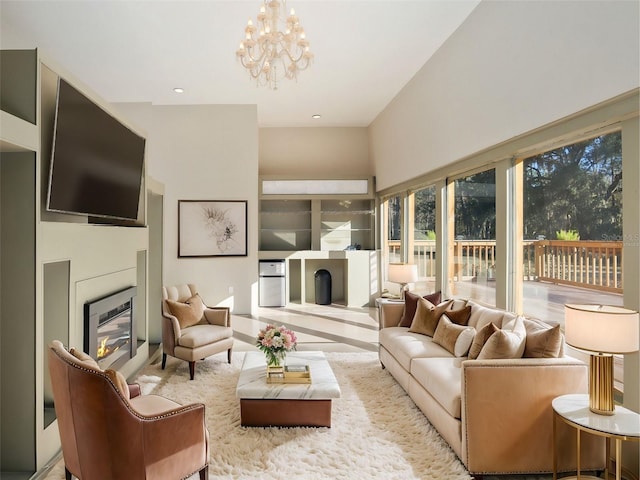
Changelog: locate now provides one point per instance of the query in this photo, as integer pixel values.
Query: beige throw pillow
(509, 342)
(427, 316)
(543, 343)
(85, 359)
(188, 313)
(456, 339)
(119, 381)
(480, 339)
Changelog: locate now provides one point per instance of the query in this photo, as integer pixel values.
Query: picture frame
(212, 228)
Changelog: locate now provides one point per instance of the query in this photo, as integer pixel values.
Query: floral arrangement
(275, 342)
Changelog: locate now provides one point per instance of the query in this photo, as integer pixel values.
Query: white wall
(315, 152)
(205, 152)
(511, 67)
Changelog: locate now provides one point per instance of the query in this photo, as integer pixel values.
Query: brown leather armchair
(190, 330)
(109, 431)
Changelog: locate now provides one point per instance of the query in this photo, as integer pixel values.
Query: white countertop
(252, 383)
(575, 408)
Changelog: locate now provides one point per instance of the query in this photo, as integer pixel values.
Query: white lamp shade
(602, 328)
(402, 273)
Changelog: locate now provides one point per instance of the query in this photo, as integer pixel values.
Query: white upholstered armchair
(190, 330)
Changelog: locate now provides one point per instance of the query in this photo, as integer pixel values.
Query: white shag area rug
(377, 432)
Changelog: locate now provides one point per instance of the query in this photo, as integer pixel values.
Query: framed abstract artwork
(212, 228)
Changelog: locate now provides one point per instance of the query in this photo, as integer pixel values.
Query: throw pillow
(456, 339)
(85, 359)
(119, 381)
(427, 316)
(411, 303)
(480, 339)
(188, 313)
(461, 317)
(508, 342)
(434, 297)
(543, 343)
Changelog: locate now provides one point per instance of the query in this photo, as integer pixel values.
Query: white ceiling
(138, 51)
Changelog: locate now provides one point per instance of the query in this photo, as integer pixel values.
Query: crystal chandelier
(268, 52)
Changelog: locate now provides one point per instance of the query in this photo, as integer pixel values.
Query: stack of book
(289, 374)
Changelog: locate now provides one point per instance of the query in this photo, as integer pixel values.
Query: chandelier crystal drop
(275, 47)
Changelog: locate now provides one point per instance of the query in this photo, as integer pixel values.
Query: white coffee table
(265, 404)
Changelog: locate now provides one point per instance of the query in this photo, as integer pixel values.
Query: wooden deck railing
(588, 264)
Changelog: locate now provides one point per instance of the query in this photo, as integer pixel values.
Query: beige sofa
(495, 413)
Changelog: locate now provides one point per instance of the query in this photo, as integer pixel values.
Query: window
(422, 236)
(393, 212)
(572, 229)
(392, 225)
(572, 224)
(472, 265)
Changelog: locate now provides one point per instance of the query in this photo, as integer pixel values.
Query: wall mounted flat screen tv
(96, 161)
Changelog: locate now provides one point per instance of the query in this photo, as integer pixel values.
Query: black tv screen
(96, 161)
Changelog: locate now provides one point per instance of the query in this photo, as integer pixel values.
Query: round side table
(573, 410)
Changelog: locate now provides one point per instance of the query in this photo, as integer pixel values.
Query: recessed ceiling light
(178, 90)
(316, 116)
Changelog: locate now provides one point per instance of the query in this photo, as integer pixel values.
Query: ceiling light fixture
(316, 116)
(269, 53)
(178, 90)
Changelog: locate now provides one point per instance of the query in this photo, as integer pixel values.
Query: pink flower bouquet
(275, 342)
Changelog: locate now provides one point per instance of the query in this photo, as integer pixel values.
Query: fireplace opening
(109, 328)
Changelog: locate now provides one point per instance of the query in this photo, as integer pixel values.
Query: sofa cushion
(480, 339)
(410, 305)
(200, 335)
(152, 405)
(442, 378)
(542, 342)
(427, 316)
(188, 312)
(508, 342)
(405, 345)
(456, 339)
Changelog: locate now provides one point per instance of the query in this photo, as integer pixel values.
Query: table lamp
(603, 330)
(402, 273)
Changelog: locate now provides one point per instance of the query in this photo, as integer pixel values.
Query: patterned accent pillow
(188, 313)
(456, 339)
(427, 317)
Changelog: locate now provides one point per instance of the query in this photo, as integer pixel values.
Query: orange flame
(103, 350)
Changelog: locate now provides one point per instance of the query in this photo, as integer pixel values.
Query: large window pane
(572, 222)
(392, 235)
(422, 246)
(472, 268)
(394, 229)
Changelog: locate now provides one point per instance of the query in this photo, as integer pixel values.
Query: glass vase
(276, 358)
